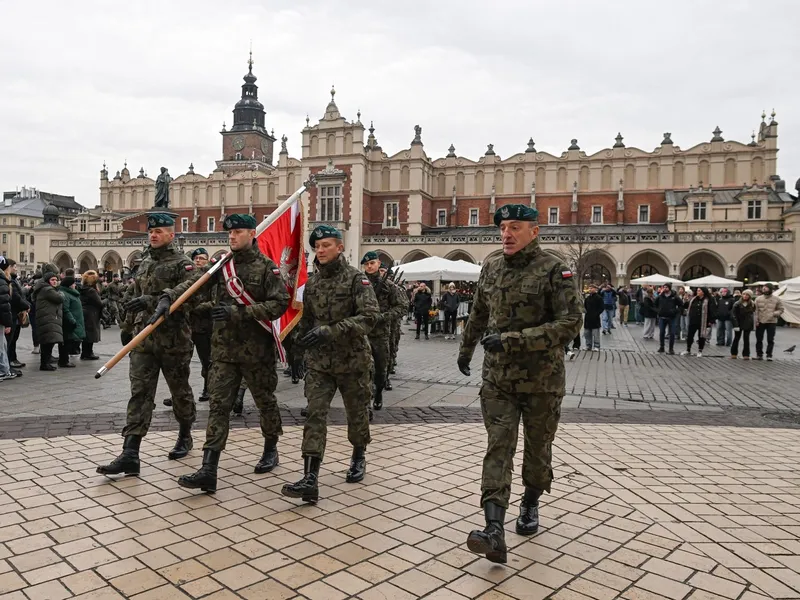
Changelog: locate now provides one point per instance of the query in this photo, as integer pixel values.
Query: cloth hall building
(717, 207)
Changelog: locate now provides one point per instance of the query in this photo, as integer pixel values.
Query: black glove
(136, 305)
(162, 309)
(492, 343)
(222, 313)
(318, 335)
(463, 366)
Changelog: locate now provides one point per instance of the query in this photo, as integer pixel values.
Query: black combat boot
(204, 397)
(377, 403)
(392, 369)
(358, 466)
(206, 476)
(269, 460)
(528, 521)
(308, 487)
(184, 442)
(238, 404)
(388, 384)
(304, 411)
(491, 541)
(127, 463)
(167, 401)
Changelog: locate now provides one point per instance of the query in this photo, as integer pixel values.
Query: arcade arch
(761, 265)
(702, 263)
(86, 262)
(63, 261)
(414, 255)
(461, 255)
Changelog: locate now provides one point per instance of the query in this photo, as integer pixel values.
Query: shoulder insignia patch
(566, 274)
(189, 267)
(276, 271)
(365, 281)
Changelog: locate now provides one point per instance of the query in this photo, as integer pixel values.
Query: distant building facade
(717, 207)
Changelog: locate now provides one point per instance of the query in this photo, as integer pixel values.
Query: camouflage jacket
(341, 297)
(391, 301)
(115, 291)
(241, 339)
(529, 298)
(162, 269)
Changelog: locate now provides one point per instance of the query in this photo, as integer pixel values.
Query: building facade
(717, 207)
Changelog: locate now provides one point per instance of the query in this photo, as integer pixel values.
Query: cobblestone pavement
(636, 512)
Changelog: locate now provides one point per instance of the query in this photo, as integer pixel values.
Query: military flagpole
(140, 337)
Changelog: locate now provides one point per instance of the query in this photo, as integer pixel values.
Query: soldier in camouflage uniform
(241, 347)
(394, 332)
(114, 296)
(339, 311)
(528, 307)
(391, 307)
(201, 324)
(168, 349)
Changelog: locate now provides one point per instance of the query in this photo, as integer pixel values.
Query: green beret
(239, 221)
(515, 212)
(320, 232)
(198, 252)
(159, 220)
(369, 256)
(383, 266)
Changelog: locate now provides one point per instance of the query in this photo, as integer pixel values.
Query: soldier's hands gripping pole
(159, 318)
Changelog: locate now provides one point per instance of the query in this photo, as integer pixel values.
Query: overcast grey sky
(151, 82)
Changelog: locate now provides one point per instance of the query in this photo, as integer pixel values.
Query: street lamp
(181, 240)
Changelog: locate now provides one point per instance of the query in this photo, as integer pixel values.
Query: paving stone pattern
(636, 512)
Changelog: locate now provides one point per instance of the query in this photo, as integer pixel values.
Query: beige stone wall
(10, 245)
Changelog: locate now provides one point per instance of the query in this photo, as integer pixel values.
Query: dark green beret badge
(198, 252)
(239, 221)
(369, 256)
(320, 232)
(515, 212)
(159, 220)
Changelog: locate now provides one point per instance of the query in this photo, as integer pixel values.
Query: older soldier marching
(247, 294)
(526, 309)
(339, 311)
(391, 308)
(168, 349)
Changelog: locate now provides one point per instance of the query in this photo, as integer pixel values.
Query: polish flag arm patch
(365, 281)
(276, 271)
(566, 274)
(189, 267)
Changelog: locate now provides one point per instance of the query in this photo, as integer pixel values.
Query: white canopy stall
(435, 268)
(789, 293)
(712, 281)
(656, 279)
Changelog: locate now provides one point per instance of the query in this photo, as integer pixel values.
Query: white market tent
(435, 268)
(794, 282)
(656, 279)
(789, 293)
(712, 281)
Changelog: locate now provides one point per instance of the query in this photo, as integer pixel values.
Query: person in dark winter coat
(592, 320)
(73, 328)
(647, 311)
(743, 318)
(701, 314)
(725, 304)
(49, 305)
(92, 306)
(19, 306)
(668, 309)
(422, 305)
(6, 320)
(449, 303)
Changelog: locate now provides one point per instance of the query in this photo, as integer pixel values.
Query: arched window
(240, 194)
(330, 144)
(135, 199)
(314, 146)
(195, 195)
(695, 272)
(121, 199)
(730, 171)
(271, 192)
(758, 169)
(519, 181)
(182, 197)
(209, 196)
(405, 178)
(630, 177)
(677, 175)
(561, 180)
(597, 273)
(385, 174)
(607, 175)
(348, 143)
(441, 191)
(460, 183)
(498, 182)
(653, 175)
(255, 193)
(703, 173)
(583, 179)
(643, 271)
(290, 184)
(480, 189)
(541, 179)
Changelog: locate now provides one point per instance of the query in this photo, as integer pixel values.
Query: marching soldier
(394, 332)
(339, 311)
(247, 294)
(391, 307)
(168, 349)
(201, 325)
(114, 296)
(528, 308)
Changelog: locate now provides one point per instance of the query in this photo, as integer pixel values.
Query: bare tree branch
(581, 251)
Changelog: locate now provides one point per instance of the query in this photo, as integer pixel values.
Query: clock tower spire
(247, 142)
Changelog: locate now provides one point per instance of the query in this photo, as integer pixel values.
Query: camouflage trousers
(356, 390)
(224, 380)
(380, 359)
(144, 369)
(502, 411)
(113, 311)
(394, 342)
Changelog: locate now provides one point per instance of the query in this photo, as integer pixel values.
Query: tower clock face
(238, 143)
(265, 146)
